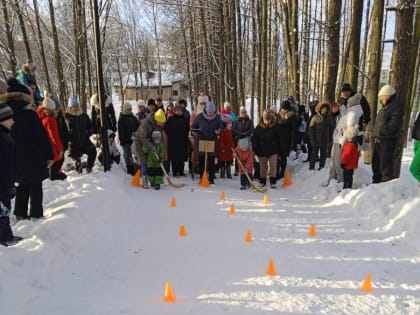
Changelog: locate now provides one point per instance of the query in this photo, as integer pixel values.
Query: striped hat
(5, 112)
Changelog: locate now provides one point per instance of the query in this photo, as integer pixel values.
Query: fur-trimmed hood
(17, 100)
(322, 104)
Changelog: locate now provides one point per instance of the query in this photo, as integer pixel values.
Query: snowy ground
(107, 248)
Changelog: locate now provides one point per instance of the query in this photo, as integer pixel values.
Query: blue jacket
(206, 130)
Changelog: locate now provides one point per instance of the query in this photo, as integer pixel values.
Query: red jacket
(247, 159)
(225, 146)
(51, 126)
(350, 155)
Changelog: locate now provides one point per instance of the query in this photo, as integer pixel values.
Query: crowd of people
(36, 131)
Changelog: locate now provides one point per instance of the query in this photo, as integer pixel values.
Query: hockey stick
(172, 184)
(254, 187)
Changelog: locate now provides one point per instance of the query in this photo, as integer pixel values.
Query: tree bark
(23, 30)
(10, 42)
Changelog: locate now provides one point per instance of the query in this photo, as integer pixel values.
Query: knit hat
(346, 88)
(243, 144)
(3, 87)
(226, 105)
(387, 90)
(202, 98)
(156, 136)
(48, 102)
(290, 99)
(151, 102)
(5, 112)
(242, 109)
(285, 105)
(273, 108)
(15, 86)
(210, 107)
(141, 103)
(127, 106)
(354, 100)
(160, 116)
(73, 102)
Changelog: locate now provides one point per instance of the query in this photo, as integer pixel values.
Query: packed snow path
(106, 248)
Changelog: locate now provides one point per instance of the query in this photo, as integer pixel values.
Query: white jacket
(348, 121)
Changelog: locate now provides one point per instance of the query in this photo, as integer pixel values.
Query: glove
(12, 192)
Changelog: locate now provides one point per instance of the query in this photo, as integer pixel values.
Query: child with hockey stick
(154, 158)
(243, 152)
(7, 188)
(350, 156)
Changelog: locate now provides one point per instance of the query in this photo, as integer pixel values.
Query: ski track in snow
(107, 248)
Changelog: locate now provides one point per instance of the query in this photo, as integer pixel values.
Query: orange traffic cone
(287, 179)
(232, 209)
(173, 202)
(182, 230)
(248, 236)
(367, 284)
(169, 294)
(135, 182)
(222, 196)
(266, 201)
(312, 230)
(271, 269)
(204, 182)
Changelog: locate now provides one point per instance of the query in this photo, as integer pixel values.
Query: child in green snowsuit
(415, 164)
(154, 170)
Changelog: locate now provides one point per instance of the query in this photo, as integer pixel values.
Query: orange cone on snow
(232, 209)
(169, 293)
(204, 182)
(266, 201)
(271, 269)
(367, 284)
(222, 196)
(287, 179)
(248, 236)
(135, 182)
(312, 230)
(182, 230)
(173, 202)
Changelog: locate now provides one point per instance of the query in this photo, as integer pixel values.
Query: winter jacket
(415, 163)
(365, 118)
(231, 114)
(389, 120)
(6, 165)
(350, 155)
(244, 127)
(50, 124)
(266, 139)
(177, 129)
(80, 128)
(24, 76)
(288, 132)
(140, 116)
(319, 127)
(143, 134)
(207, 127)
(63, 130)
(110, 118)
(247, 159)
(226, 145)
(151, 158)
(32, 146)
(127, 125)
(416, 129)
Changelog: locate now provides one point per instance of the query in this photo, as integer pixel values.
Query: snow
(105, 247)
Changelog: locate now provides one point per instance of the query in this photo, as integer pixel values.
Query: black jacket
(389, 120)
(244, 127)
(6, 165)
(32, 146)
(127, 125)
(288, 132)
(63, 130)
(80, 128)
(177, 129)
(110, 118)
(266, 139)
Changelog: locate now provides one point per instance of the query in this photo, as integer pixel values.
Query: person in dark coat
(266, 144)
(302, 129)
(141, 111)
(318, 135)
(32, 152)
(287, 123)
(26, 76)
(385, 134)
(243, 128)
(127, 125)
(177, 129)
(80, 130)
(185, 113)
(110, 119)
(7, 179)
(62, 128)
(208, 125)
(346, 93)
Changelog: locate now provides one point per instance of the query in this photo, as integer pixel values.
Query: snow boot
(144, 182)
(228, 170)
(263, 182)
(273, 182)
(222, 171)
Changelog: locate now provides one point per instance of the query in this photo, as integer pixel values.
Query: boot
(144, 182)
(222, 170)
(130, 170)
(263, 182)
(273, 182)
(228, 170)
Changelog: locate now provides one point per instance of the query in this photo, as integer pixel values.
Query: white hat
(141, 103)
(48, 103)
(387, 90)
(242, 109)
(127, 106)
(226, 105)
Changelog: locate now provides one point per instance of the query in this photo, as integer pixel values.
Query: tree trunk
(254, 57)
(305, 51)
(401, 61)
(10, 42)
(23, 30)
(76, 40)
(83, 53)
(365, 43)
(332, 60)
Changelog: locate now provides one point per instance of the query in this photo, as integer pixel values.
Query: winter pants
(383, 160)
(322, 156)
(127, 156)
(210, 166)
(6, 233)
(268, 166)
(26, 193)
(155, 175)
(178, 168)
(281, 166)
(415, 164)
(348, 178)
(244, 179)
(336, 171)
